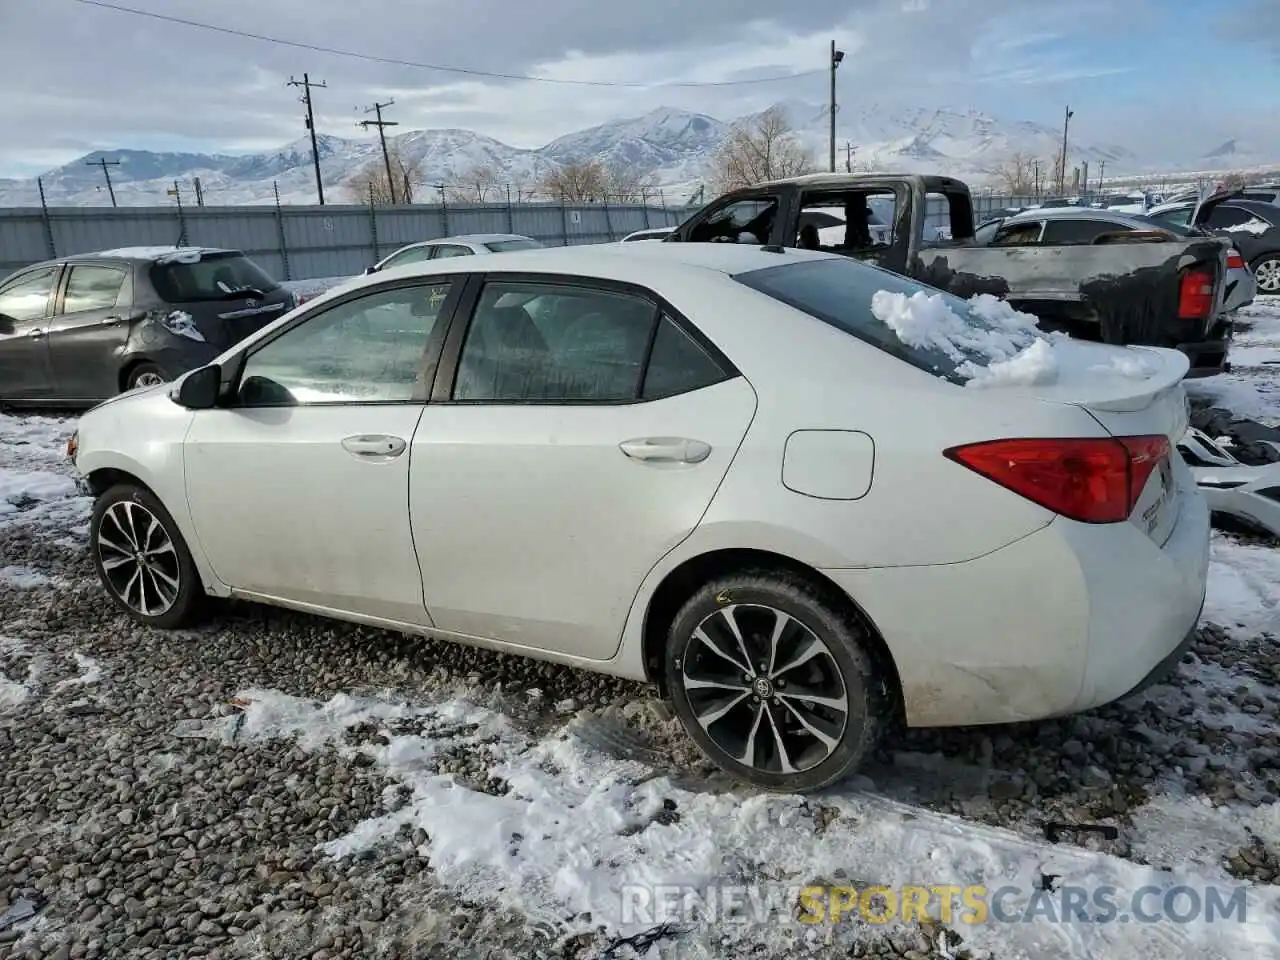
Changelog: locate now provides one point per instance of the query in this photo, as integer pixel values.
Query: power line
(467, 71)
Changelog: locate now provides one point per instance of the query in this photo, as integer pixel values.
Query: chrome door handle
(36, 334)
(666, 450)
(375, 446)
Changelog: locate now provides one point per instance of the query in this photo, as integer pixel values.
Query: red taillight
(1195, 297)
(1234, 260)
(1091, 480)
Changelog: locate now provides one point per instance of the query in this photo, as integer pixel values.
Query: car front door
(25, 303)
(556, 464)
(89, 330)
(298, 483)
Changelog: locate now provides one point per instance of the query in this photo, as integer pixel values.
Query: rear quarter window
(839, 292)
(212, 277)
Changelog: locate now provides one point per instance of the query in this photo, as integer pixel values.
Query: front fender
(108, 440)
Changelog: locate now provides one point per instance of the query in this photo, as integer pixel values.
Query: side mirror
(199, 389)
(370, 271)
(7, 324)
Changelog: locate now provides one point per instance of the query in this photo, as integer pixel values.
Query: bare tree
(1016, 176)
(1059, 171)
(763, 149)
(476, 185)
(369, 183)
(623, 184)
(575, 182)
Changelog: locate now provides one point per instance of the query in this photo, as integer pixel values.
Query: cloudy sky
(1170, 78)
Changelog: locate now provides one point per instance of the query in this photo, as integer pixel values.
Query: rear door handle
(666, 449)
(36, 334)
(374, 446)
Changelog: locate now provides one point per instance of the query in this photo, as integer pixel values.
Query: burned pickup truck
(1148, 287)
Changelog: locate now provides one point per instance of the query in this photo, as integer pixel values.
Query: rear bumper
(1209, 357)
(1068, 618)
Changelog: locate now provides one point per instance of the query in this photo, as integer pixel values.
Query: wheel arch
(130, 365)
(101, 472)
(682, 581)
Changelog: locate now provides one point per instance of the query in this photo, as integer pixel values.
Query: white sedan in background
(464, 245)
(806, 497)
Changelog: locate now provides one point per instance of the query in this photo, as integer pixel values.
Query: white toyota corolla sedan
(806, 497)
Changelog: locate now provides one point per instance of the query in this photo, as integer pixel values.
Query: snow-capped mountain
(673, 147)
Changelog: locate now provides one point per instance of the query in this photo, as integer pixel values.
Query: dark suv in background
(80, 329)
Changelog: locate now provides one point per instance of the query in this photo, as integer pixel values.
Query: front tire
(1266, 270)
(774, 681)
(142, 559)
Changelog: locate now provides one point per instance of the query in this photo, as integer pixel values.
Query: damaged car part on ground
(708, 389)
(80, 329)
(1246, 493)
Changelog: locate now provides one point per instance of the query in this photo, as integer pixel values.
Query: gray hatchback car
(80, 329)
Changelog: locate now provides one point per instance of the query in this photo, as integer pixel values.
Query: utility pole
(848, 156)
(1084, 176)
(1102, 168)
(104, 163)
(836, 57)
(306, 83)
(199, 191)
(1037, 164)
(1062, 168)
(382, 135)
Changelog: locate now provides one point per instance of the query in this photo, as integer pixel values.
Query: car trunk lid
(1130, 392)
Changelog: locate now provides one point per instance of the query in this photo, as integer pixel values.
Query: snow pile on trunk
(995, 345)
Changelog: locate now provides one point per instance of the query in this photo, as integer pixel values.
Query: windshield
(506, 246)
(923, 326)
(212, 277)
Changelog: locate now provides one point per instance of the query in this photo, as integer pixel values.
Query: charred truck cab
(1123, 287)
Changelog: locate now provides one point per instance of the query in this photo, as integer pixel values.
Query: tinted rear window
(215, 276)
(839, 291)
(506, 246)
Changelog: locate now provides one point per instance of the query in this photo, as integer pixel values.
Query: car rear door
(89, 330)
(26, 301)
(555, 465)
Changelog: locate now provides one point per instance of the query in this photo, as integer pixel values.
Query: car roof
(470, 238)
(610, 262)
(155, 254)
(1081, 213)
(1260, 207)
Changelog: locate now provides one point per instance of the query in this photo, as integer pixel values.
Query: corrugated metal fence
(301, 243)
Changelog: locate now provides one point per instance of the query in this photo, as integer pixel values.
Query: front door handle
(36, 334)
(374, 446)
(666, 449)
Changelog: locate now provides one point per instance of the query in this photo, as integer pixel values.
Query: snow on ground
(577, 830)
(1252, 388)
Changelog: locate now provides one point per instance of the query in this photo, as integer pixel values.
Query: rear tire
(144, 375)
(1266, 270)
(142, 559)
(790, 701)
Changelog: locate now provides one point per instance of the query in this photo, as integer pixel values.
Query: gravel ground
(138, 834)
